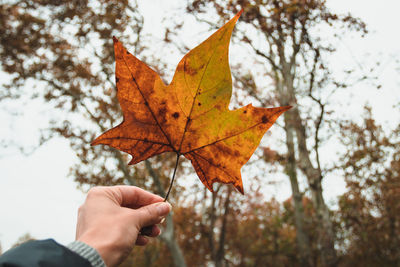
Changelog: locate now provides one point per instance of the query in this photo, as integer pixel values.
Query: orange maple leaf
(190, 116)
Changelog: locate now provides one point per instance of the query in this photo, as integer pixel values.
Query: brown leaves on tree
(190, 116)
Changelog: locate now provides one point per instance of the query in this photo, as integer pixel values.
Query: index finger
(134, 197)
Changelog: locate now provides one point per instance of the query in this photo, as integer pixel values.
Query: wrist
(105, 247)
(87, 252)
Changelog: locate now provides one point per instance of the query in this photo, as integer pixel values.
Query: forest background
(323, 189)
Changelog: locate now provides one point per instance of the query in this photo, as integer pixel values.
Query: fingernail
(163, 208)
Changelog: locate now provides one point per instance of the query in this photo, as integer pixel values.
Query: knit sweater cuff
(87, 252)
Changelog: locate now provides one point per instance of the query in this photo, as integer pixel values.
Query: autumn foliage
(190, 116)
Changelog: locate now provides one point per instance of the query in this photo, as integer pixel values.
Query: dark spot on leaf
(180, 68)
(175, 115)
(223, 150)
(264, 119)
(190, 71)
(199, 104)
(147, 104)
(162, 111)
(127, 52)
(116, 79)
(245, 111)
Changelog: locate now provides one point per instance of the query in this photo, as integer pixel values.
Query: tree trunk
(302, 238)
(211, 235)
(326, 236)
(287, 96)
(168, 236)
(220, 254)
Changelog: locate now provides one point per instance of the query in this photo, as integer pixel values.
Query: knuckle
(150, 214)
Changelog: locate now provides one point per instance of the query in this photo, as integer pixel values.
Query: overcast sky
(38, 198)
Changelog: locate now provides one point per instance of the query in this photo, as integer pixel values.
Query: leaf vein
(198, 87)
(136, 139)
(148, 105)
(224, 138)
(212, 164)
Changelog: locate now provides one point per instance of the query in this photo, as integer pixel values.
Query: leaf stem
(173, 177)
(148, 229)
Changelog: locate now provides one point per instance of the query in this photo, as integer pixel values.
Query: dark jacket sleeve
(44, 253)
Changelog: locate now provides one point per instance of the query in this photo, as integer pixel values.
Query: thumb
(153, 213)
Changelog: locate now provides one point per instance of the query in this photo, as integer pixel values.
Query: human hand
(111, 218)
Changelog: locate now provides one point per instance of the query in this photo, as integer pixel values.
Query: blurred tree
(285, 36)
(370, 211)
(155, 254)
(238, 231)
(61, 53)
(23, 239)
(263, 235)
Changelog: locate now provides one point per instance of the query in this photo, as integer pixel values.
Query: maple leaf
(190, 116)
